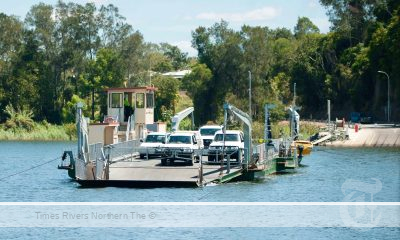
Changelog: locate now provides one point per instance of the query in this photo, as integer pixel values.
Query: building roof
(211, 126)
(131, 89)
(177, 74)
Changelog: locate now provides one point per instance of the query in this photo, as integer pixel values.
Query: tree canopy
(66, 52)
(72, 49)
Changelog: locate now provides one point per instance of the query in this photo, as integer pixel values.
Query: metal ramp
(323, 139)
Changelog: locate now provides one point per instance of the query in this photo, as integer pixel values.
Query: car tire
(163, 162)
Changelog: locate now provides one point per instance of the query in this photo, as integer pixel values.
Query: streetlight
(388, 101)
(250, 94)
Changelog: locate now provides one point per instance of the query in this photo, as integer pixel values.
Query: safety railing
(100, 168)
(285, 148)
(122, 151)
(264, 153)
(96, 152)
(80, 169)
(218, 154)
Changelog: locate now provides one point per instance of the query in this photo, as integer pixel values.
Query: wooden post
(329, 114)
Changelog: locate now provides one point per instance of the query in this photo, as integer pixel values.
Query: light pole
(250, 94)
(388, 100)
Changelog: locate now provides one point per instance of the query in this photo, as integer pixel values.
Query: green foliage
(282, 129)
(177, 59)
(46, 62)
(304, 26)
(71, 131)
(18, 119)
(184, 101)
(164, 115)
(186, 124)
(278, 113)
(69, 110)
(258, 130)
(275, 59)
(308, 129)
(166, 97)
(40, 132)
(197, 85)
(279, 88)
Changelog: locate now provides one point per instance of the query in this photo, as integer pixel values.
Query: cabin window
(140, 100)
(149, 100)
(116, 100)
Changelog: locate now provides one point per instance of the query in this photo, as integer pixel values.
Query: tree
(304, 26)
(196, 83)
(221, 51)
(50, 86)
(11, 31)
(132, 51)
(22, 85)
(166, 97)
(308, 73)
(351, 18)
(176, 57)
(104, 72)
(258, 59)
(114, 30)
(11, 34)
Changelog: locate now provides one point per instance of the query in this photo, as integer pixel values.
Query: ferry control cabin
(130, 115)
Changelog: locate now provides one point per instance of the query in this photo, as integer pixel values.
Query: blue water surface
(319, 180)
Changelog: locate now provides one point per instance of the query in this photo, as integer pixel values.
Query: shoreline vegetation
(20, 126)
(365, 137)
(41, 131)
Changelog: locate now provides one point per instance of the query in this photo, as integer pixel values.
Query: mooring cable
(26, 170)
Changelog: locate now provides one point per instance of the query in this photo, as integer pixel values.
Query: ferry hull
(135, 184)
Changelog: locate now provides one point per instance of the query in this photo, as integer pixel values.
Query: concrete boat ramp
(150, 173)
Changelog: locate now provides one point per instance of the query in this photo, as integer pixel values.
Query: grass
(184, 101)
(307, 129)
(40, 132)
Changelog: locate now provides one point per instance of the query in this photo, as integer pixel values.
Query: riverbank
(40, 132)
(371, 136)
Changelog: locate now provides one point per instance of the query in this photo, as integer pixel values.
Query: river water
(320, 180)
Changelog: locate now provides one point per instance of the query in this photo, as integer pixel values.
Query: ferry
(109, 152)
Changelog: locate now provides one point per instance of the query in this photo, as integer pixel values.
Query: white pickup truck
(207, 133)
(181, 146)
(233, 143)
(153, 140)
